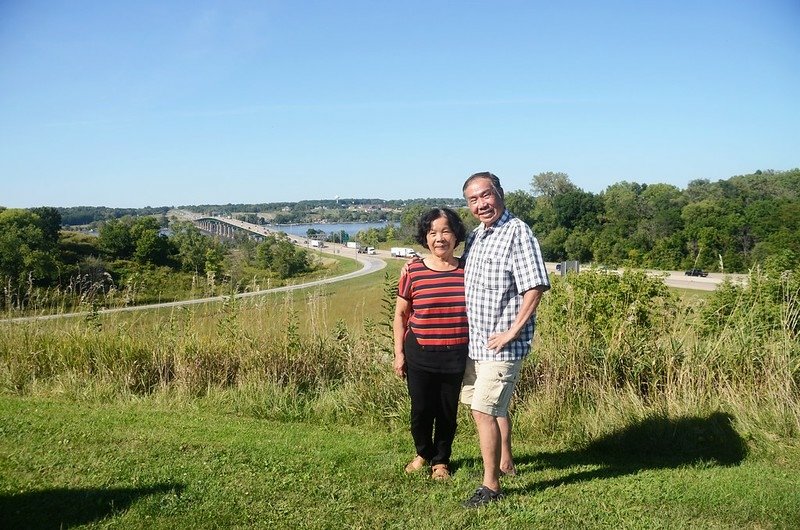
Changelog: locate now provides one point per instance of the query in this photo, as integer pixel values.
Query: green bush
(768, 302)
(605, 328)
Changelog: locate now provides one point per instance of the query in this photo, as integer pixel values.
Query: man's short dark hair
(453, 221)
(498, 189)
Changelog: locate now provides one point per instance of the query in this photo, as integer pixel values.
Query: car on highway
(696, 272)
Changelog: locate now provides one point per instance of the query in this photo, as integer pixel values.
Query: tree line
(730, 225)
(88, 215)
(35, 253)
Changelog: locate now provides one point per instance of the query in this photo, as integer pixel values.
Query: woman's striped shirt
(438, 309)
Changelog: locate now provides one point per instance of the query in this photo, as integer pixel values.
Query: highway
(677, 279)
(370, 264)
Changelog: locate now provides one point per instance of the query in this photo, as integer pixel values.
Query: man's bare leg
(489, 439)
(506, 456)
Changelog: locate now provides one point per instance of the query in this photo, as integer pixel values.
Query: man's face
(483, 202)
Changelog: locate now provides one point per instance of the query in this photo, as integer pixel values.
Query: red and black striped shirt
(438, 308)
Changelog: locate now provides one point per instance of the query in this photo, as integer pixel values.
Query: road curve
(677, 278)
(370, 264)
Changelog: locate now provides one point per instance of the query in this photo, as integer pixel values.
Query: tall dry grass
(609, 350)
(614, 349)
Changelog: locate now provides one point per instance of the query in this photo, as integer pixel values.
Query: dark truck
(696, 272)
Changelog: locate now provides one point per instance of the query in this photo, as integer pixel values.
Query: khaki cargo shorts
(489, 385)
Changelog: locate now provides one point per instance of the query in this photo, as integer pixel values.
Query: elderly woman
(431, 338)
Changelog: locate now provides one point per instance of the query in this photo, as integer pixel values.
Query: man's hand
(530, 301)
(498, 341)
(404, 269)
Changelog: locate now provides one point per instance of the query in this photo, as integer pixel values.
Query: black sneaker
(482, 497)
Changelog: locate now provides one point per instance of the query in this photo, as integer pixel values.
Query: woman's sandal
(440, 472)
(416, 464)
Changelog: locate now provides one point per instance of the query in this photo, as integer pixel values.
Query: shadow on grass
(65, 508)
(654, 443)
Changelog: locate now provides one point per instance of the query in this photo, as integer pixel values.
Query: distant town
(343, 210)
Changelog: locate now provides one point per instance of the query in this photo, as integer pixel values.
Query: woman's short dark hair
(453, 221)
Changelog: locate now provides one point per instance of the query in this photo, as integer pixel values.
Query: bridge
(229, 228)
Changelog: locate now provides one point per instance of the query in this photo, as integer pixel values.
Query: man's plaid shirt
(502, 262)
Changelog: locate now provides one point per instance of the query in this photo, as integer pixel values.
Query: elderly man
(504, 277)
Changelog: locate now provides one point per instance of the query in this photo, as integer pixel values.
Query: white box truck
(403, 252)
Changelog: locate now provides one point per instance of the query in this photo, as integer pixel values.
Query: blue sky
(154, 103)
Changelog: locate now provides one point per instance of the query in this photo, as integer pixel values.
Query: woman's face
(440, 239)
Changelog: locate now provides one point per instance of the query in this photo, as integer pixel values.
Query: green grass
(353, 301)
(691, 295)
(635, 410)
(149, 463)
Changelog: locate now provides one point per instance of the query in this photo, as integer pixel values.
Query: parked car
(696, 272)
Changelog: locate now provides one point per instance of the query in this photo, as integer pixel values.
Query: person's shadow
(654, 443)
(69, 507)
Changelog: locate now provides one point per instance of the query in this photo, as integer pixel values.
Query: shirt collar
(484, 231)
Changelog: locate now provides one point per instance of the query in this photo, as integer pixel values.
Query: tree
(153, 248)
(550, 184)
(213, 260)
(700, 190)
(193, 247)
(522, 205)
(150, 246)
(313, 233)
(280, 256)
(470, 223)
(668, 253)
(115, 239)
(26, 251)
(711, 229)
(552, 245)
(660, 207)
(369, 237)
(391, 232)
(577, 208)
(50, 223)
(621, 208)
(409, 220)
(578, 246)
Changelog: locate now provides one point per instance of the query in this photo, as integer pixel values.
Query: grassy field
(640, 407)
(156, 464)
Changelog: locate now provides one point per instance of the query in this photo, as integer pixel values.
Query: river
(329, 228)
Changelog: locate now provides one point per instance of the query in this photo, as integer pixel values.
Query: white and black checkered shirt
(502, 262)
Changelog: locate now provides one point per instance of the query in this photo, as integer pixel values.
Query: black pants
(434, 408)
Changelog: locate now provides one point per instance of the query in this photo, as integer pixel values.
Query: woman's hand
(399, 365)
